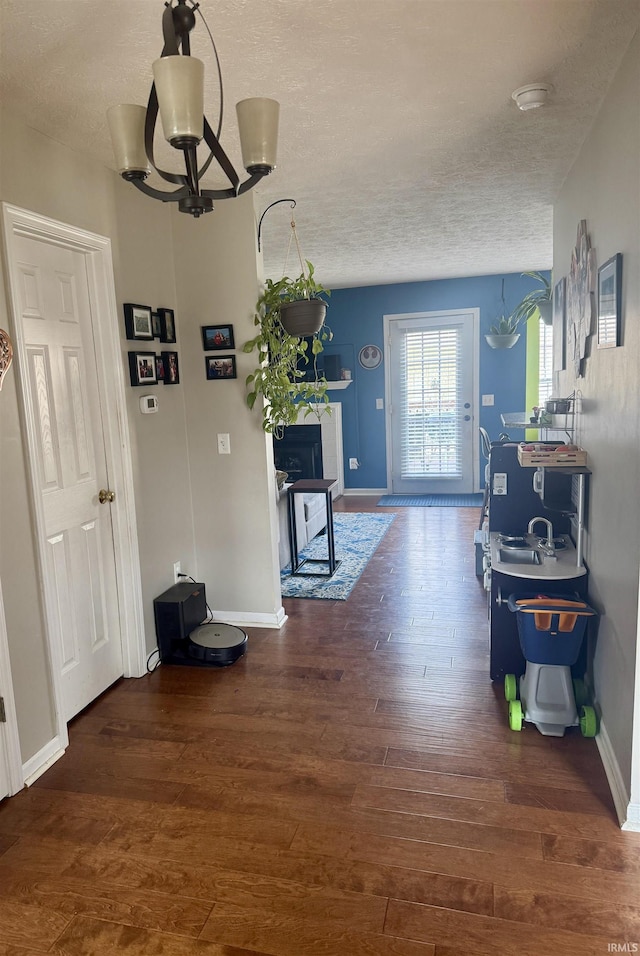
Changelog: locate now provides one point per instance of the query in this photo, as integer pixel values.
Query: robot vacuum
(217, 644)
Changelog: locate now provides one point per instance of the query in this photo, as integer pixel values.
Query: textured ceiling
(398, 136)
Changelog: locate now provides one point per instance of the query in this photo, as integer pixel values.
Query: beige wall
(215, 516)
(233, 495)
(604, 188)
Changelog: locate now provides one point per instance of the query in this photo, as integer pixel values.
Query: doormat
(431, 501)
(356, 538)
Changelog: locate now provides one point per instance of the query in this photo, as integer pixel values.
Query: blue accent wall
(356, 318)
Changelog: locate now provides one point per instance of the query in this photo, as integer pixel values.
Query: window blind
(430, 400)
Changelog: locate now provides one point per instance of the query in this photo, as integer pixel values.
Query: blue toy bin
(550, 628)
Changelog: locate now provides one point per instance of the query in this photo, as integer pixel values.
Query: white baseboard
(244, 619)
(363, 492)
(36, 765)
(624, 808)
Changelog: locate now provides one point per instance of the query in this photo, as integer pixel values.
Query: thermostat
(148, 404)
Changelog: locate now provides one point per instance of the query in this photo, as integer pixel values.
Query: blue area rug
(356, 536)
(431, 501)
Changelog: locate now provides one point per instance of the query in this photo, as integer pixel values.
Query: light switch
(224, 445)
(379, 403)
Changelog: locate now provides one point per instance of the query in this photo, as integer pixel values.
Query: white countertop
(562, 568)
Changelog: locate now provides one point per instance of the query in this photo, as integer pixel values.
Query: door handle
(104, 495)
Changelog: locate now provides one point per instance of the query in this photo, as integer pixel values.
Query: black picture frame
(559, 327)
(610, 302)
(160, 369)
(156, 325)
(220, 367)
(138, 321)
(171, 368)
(217, 338)
(142, 368)
(167, 325)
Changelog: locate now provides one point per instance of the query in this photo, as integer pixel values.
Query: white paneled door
(430, 369)
(51, 293)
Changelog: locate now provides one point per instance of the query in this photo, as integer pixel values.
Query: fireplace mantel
(332, 457)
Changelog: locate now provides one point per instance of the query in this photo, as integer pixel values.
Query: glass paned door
(431, 371)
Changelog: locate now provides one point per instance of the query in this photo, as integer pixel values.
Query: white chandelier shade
(126, 124)
(180, 89)
(258, 127)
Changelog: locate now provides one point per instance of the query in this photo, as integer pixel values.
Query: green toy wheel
(515, 715)
(510, 686)
(588, 722)
(580, 692)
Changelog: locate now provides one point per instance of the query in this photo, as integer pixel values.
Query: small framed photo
(142, 368)
(217, 338)
(167, 325)
(221, 366)
(160, 369)
(138, 321)
(171, 368)
(156, 325)
(610, 302)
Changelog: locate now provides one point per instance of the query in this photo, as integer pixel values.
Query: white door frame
(475, 317)
(9, 740)
(100, 278)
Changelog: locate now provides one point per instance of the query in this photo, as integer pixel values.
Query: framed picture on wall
(221, 366)
(142, 368)
(559, 325)
(167, 325)
(159, 368)
(610, 302)
(138, 321)
(156, 325)
(171, 368)
(217, 337)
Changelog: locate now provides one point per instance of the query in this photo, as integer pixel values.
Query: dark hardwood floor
(349, 788)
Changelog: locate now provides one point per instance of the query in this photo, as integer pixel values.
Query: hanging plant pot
(303, 317)
(545, 308)
(502, 341)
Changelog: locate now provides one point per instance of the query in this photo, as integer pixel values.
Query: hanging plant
(540, 300)
(504, 334)
(288, 340)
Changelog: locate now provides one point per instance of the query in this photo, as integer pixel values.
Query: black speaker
(332, 366)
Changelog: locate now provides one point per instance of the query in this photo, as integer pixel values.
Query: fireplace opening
(299, 452)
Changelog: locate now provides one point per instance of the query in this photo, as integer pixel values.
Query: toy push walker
(551, 630)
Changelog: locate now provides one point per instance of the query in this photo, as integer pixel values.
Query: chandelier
(177, 93)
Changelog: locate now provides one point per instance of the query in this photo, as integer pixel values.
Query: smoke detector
(532, 95)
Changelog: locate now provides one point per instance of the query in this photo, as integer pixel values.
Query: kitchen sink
(519, 556)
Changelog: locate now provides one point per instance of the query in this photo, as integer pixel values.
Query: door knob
(104, 495)
(467, 418)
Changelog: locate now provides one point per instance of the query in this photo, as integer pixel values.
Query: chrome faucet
(546, 545)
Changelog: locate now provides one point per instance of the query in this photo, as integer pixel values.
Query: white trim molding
(628, 813)
(247, 619)
(9, 741)
(45, 758)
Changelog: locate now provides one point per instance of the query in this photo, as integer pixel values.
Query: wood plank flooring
(349, 788)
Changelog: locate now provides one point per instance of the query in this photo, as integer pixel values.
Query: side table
(310, 486)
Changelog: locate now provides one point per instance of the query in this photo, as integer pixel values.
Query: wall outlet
(224, 445)
(177, 570)
(353, 464)
(487, 399)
